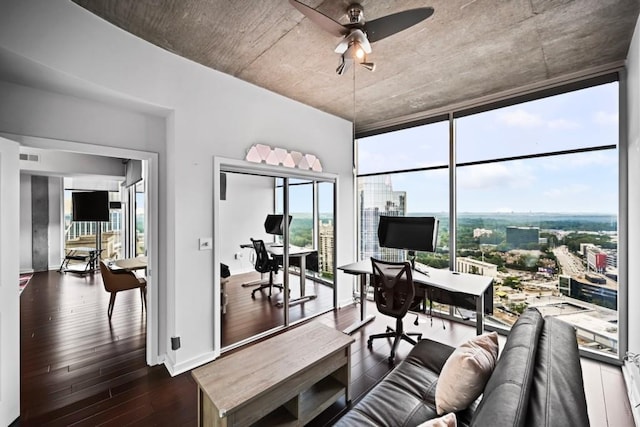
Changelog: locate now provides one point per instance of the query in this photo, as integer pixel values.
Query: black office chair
(394, 294)
(265, 264)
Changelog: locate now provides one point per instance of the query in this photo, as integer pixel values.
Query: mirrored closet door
(274, 240)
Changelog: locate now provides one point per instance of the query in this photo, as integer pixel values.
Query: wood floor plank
(79, 369)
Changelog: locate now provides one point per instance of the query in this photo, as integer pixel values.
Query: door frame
(151, 219)
(9, 272)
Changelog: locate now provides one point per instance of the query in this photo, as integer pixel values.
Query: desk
(131, 264)
(285, 380)
(277, 251)
(469, 285)
(86, 254)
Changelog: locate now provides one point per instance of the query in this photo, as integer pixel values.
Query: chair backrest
(264, 263)
(392, 287)
(114, 282)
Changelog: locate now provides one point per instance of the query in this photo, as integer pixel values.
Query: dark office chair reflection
(265, 264)
(394, 293)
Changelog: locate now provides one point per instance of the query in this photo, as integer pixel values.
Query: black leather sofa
(537, 381)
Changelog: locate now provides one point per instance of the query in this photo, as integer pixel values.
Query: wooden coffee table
(285, 380)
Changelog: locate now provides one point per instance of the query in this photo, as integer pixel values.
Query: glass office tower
(377, 198)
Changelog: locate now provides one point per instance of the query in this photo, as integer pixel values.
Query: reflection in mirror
(312, 290)
(248, 212)
(247, 309)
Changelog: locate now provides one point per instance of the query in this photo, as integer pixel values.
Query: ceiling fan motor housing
(355, 12)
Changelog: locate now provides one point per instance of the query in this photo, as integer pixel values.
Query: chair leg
(143, 296)
(394, 348)
(112, 302)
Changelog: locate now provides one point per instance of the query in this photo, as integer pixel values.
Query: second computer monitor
(274, 224)
(412, 233)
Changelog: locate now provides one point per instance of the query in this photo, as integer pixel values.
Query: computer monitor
(411, 233)
(274, 224)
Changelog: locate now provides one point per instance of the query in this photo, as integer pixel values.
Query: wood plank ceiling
(467, 50)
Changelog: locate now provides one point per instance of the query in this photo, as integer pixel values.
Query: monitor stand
(412, 260)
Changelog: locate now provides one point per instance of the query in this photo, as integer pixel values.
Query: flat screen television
(90, 206)
(274, 224)
(411, 233)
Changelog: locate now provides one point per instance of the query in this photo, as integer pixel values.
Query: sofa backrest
(557, 392)
(506, 395)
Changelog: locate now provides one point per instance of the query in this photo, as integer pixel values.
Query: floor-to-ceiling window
(404, 173)
(536, 196)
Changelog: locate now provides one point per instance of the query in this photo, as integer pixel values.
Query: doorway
(150, 220)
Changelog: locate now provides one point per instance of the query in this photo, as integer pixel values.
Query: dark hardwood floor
(78, 369)
(246, 316)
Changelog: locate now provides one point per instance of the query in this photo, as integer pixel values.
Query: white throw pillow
(466, 372)
(448, 420)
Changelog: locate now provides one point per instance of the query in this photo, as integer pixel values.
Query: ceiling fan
(358, 35)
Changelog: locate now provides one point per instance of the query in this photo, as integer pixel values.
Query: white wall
(9, 295)
(211, 114)
(633, 156)
(242, 215)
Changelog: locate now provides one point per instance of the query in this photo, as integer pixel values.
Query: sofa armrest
(557, 393)
(430, 354)
(506, 396)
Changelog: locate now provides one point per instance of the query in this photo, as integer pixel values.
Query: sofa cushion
(465, 373)
(448, 420)
(557, 392)
(506, 396)
(406, 396)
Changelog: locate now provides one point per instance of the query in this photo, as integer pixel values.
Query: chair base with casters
(398, 335)
(269, 285)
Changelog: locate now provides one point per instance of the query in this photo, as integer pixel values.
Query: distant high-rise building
(325, 253)
(378, 198)
(523, 237)
(596, 259)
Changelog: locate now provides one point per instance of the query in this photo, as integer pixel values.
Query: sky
(574, 183)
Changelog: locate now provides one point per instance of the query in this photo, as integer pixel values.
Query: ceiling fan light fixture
(343, 66)
(369, 65)
(355, 51)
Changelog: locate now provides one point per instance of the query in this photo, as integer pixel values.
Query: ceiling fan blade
(320, 19)
(386, 26)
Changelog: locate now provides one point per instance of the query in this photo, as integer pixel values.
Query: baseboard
(179, 368)
(346, 302)
(631, 374)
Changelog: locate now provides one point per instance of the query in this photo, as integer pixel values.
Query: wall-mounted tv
(90, 206)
